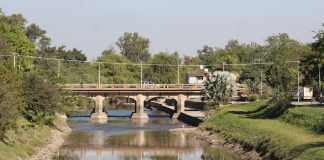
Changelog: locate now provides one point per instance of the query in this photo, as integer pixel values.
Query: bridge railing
(135, 86)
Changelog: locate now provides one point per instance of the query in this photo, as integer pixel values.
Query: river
(125, 139)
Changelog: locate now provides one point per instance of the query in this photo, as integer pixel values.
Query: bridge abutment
(99, 115)
(139, 110)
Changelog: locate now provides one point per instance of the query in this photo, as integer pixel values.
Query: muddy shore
(218, 142)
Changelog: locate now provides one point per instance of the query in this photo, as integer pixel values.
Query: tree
(43, 99)
(134, 47)
(14, 19)
(218, 87)
(11, 101)
(310, 62)
(161, 73)
(19, 43)
(217, 56)
(34, 32)
(117, 73)
(280, 51)
(37, 35)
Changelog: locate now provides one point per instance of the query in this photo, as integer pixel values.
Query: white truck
(305, 93)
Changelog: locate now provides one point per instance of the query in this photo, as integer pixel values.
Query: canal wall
(159, 106)
(191, 104)
(193, 121)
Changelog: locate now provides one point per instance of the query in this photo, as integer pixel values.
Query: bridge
(139, 93)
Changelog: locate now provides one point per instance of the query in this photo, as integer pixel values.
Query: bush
(253, 98)
(311, 118)
(43, 99)
(10, 99)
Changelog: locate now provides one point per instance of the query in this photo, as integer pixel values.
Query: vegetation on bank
(24, 141)
(271, 138)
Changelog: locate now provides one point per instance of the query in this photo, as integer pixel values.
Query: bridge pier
(99, 115)
(139, 110)
(180, 106)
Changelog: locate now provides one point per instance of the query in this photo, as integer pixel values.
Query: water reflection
(133, 140)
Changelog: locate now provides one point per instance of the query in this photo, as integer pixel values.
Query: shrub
(311, 118)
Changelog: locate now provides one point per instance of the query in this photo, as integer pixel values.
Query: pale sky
(171, 25)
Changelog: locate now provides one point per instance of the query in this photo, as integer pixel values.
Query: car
(149, 84)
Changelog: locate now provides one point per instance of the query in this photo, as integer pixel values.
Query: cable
(148, 64)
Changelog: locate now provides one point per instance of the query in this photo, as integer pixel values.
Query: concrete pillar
(140, 138)
(180, 105)
(99, 115)
(139, 111)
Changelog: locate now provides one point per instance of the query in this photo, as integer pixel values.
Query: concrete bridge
(138, 93)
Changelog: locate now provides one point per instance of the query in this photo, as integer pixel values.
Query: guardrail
(134, 86)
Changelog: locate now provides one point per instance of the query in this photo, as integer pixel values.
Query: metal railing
(133, 86)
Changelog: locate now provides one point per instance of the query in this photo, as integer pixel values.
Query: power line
(148, 64)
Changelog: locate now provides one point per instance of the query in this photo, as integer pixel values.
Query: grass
(311, 118)
(272, 138)
(27, 140)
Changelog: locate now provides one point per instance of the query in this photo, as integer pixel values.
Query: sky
(171, 25)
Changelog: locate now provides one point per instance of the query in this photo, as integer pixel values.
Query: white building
(196, 77)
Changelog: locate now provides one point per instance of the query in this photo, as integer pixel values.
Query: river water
(125, 139)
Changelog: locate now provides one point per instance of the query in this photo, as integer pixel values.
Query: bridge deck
(133, 88)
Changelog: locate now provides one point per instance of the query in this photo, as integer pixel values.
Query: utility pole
(178, 74)
(58, 68)
(261, 89)
(298, 90)
(99, 74)
(319, 77)
(141, 74)
(14, 58)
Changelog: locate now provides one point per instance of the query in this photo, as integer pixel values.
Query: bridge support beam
(99, 115)
(180, 106)
(139, 111)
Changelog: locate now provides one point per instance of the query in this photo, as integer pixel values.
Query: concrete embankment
(193, 118)
(186, 118)
(54, 142)
(217, 141)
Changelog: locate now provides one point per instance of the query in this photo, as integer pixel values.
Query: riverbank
(33, 142)
(231, 128)
(217, 141)
(54, 142)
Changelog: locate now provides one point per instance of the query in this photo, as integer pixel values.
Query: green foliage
(271, 138)
(42, 98)
(14, 19)
(117, 73)
(218, 87)
(77, 104)
(33, 32)
(162, 74)
(19, 43)
(308, 117)
(217, 57)
(134, 47)
(279, 50)
(24, 142)
(10, 99)
(310, 62)
(275, 107)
